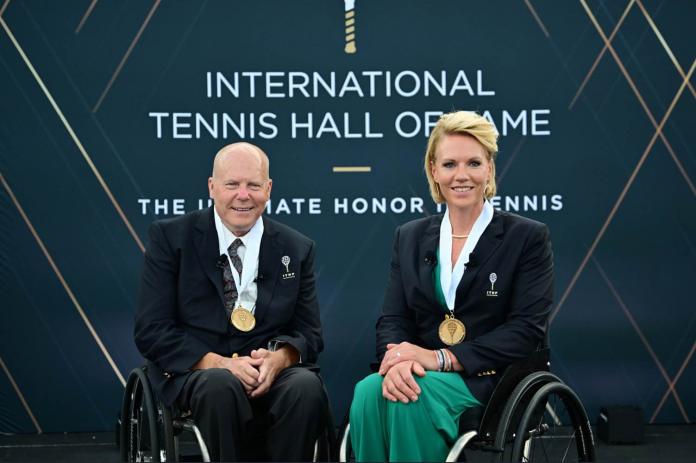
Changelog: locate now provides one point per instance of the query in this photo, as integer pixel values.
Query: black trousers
(281, 425)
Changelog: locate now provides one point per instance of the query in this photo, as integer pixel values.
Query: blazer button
(167, 375)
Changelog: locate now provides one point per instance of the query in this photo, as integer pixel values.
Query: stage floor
(663, 443)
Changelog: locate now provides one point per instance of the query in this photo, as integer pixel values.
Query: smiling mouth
(241, 209)
(462, 189)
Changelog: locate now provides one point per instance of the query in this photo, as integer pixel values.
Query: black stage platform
(663, 443)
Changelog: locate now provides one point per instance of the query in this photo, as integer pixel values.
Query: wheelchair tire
(510, 417)
(167, 426)
(537, 440)
(139, 431)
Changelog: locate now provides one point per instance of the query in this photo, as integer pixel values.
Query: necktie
(230, 289)
(234, 257)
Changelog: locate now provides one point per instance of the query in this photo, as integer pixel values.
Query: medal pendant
(451, 331)
(242, 319)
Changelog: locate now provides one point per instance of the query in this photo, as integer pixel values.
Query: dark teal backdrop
(595, 101)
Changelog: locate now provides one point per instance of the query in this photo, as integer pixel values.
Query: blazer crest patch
(492, 292)
(285, 261)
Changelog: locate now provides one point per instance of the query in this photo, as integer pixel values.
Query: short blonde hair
(462, 123)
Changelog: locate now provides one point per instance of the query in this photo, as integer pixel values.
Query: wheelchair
(149, 431)
(531, 416)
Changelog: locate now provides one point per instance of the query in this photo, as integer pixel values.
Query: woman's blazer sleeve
(396, 323)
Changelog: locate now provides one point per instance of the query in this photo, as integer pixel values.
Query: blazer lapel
(487, 244)
(208, 249)
(427, 259)
(270, 254)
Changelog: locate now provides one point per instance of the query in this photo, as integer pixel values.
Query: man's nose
(243, 193)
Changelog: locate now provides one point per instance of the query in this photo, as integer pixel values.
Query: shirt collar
(226, 237)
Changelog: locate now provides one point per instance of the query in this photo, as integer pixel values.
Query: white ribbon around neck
(450, 277)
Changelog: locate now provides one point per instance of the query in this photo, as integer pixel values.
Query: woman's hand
(399, 383)
(406, 351)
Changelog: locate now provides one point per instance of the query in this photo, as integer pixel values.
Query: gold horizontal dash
(352, 169)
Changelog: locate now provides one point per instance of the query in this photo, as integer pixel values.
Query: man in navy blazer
(201, 271)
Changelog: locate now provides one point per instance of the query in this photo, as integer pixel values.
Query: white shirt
(249, 254)
(451, 277)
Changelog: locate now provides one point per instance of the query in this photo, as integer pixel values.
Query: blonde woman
(469, 293)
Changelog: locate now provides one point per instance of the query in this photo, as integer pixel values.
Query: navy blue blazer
(181, 314)
(504, 322)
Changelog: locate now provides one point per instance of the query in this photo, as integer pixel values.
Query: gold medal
(451, 331)
(242, 319)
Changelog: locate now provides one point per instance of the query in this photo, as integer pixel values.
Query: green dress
(424, 430)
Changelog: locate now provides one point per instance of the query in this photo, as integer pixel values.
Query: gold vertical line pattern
(620, 199)
(673, 383)
(125, 57)
(349, 24)
(85, 16)
(641, 100)
(643, 339)
(537, 18)
(601, 54)
(58, 273)
(665, 45)
(21, 396)
(4, 5)
(65, 122)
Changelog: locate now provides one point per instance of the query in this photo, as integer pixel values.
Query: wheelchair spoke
(553, 435)
(552, 424)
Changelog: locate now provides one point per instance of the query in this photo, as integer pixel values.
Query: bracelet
(449, 361)
(445, 360)
(440, 360)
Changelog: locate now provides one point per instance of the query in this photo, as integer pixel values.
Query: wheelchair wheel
(145, 424)
(166, 425)
(553, 427)
(139, 436)
(515, 406)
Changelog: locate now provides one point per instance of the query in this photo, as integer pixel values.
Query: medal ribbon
(450, 277)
